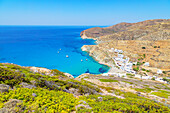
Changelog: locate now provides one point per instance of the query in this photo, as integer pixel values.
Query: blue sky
(81, 12)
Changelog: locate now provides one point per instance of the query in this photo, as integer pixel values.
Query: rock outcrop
(12, 106)
(4, 88)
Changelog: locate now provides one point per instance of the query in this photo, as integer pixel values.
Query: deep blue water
(39, 46)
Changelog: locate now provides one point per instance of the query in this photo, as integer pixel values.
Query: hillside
(150, 38)
(33, 89)
(158, 29)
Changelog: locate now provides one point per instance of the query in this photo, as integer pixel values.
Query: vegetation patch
(162, 93)
(108, 80)
(110, 104)
(45, 100)
(136, 68)
(145, 90)
(128, 82)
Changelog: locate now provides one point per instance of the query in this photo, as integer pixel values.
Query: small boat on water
(60, 48)
(58, 52)
(81, 60)
(67, 56)
(86, 59)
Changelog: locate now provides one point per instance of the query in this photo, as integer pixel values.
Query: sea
(52, 47)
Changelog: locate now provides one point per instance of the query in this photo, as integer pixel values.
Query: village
(126, 66)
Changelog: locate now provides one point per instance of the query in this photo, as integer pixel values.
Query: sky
(81, 12)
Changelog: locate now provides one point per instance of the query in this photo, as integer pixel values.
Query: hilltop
(158, 29)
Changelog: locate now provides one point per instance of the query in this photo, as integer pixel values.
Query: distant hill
(157, 29)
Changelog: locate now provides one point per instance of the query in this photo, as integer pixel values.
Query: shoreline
(112, 69)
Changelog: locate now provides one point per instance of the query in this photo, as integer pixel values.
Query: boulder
(4, 88)
(82, 101)
(26, 85)
(12, 106)
(34, 95)
(74, 91)
(83, 106)
(100, 98)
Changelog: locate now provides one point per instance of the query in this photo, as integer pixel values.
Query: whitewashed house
(105, 74)
(159, 71)
(117, 59)
(120, 55)
(121, 75)
(129, 65)
(146, 64)
(135, 63)
(120, 51)
(116, 50)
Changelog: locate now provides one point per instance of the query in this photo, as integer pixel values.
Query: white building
(111, 50)
(117, 59)
(120, 55)
(159, 71)
(105, 74)
(129, 65)
(146, 64)
(120, 51)
(135, 63)
(121, 75)
(116, 50)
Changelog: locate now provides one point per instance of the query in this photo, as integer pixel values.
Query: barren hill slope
(158, 29)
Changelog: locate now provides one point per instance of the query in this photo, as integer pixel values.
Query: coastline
(112, 67)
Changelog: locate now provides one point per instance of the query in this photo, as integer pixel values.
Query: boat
(67, 56)
(58, 52)
(81, 60)
(86, 59)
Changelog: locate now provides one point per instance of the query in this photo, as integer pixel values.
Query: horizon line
(55, 25)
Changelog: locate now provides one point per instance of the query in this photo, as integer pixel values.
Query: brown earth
(158, 29)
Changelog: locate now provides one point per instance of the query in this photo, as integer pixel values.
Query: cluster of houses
(122, 62)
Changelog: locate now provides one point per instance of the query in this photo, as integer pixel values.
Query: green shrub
(153, 78)
(147, 70)
(143, 47)
(165, 79)
(129, 74)
(143, 69)
(164, 72)
(136, 69)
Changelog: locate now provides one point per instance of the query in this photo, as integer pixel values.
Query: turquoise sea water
(39, 46)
